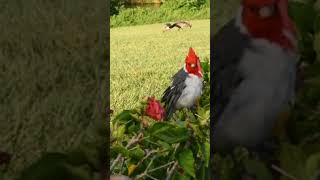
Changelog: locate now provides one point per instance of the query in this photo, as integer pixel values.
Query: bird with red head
(186, 86)
(252, 75)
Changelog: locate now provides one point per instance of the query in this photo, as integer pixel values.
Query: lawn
(143, 59)
(53, 77)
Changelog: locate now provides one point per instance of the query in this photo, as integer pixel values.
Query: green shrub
(144, 147)
(185, 4)
(115, 6)
(172, 10)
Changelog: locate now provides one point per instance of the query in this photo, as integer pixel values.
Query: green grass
(52, 77)
(143, 59)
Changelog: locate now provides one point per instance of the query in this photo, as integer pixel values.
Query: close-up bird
(186, 86)
(253, 74)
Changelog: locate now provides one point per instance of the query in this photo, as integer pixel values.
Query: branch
(281, 171)
(165, 165)
(144, 158)
(134, 140)
(152, 177)
(145, 173)
(172, 170)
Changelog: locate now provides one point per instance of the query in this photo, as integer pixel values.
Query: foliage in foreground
(171, 10)
(179, 148)
(298, 154)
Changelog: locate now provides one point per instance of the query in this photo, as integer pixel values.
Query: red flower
(154, 109)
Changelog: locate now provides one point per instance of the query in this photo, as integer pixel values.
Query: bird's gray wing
(173, 92)
(227, 48)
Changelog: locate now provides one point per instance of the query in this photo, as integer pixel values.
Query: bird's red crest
(192, 56)
(269, 19)
(192, 63)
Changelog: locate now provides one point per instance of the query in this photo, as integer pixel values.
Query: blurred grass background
(53, 66)
(143, 59)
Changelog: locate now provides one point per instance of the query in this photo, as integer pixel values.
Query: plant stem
(149, 164)
(122, 163)
(151, 177)
(172, 170)
(145, 173)
(165, 165)
(284, 173)
(148, 154)
(133, 141)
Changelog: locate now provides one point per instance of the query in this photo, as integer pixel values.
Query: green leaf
(119, 131)
(205, 149)
(159, 127)
(292, 160)
(258, 169)
(133, 127)
(164, 145)
(136, 153)
(202, 172)
(303, 15)
(204, 116)
(205, 66)
(125, 116)
(313, 164)
(186, 161)
(168, 133)
(118, 149)
(316, 25)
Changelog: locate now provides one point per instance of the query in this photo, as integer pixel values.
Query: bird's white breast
(191, 92)
(267, 87)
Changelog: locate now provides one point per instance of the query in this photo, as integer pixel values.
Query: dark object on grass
(178, 24)
(4, 158)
